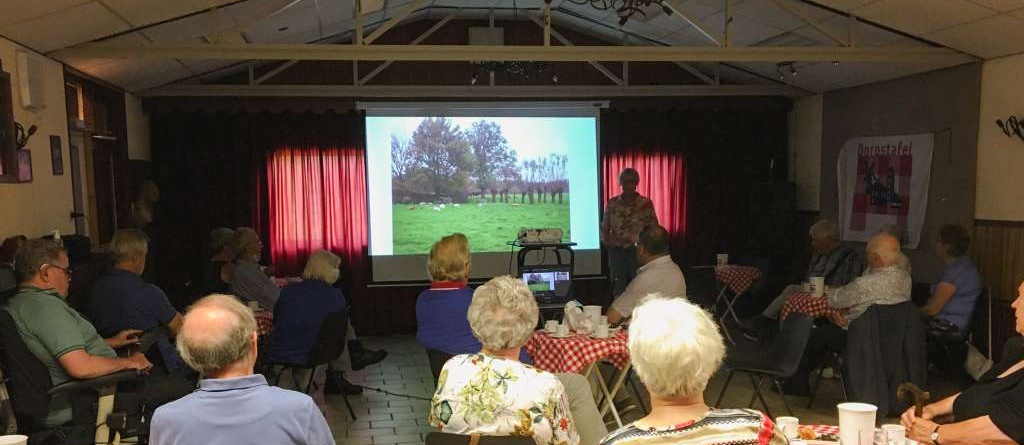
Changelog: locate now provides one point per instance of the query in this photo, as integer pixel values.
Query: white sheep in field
(437, 209)
(455, 205)
(442, 206)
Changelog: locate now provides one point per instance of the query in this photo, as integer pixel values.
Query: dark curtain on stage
(212, 172)
(729, 154)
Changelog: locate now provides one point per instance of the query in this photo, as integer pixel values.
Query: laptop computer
(549, 284)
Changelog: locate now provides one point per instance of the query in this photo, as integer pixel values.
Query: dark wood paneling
(998, 250)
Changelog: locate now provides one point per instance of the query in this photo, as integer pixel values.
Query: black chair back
(437, 360)
(437, 438)
(28, 380)
(330, 342)
(788, 348)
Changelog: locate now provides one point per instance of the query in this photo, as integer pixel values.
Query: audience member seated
(250, 283)
(441, 322)
(8, 249)
(553, 409)
(233, 405)
(676, 348)
(301, 310)
(952, 302)
(831, 259)
(990, 412)
(122, 300)
(248, 280)
(657, 274)
(885, 284)
(217, 273)
(55, 333)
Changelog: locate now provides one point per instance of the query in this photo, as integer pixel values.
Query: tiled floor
(390, 419)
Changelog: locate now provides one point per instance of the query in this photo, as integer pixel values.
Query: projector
(539, 236)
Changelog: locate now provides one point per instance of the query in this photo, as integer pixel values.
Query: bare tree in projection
(508, 173)
(442, 156)
(557, 176)
(489, 148)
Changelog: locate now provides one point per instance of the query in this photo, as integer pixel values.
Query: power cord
(384, 391)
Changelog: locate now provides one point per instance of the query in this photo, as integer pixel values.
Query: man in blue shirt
(233, 405)
(122, 300)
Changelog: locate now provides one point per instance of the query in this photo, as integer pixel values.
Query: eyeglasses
(66, 270)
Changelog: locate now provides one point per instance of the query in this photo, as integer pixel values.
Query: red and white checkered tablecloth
(264, 322)
(825, 429)
(805, 303)
(573, 354)
(737, 278)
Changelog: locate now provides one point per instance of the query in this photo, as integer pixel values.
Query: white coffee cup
(601, 331)
(893, 434)
(788, 426)
(805, 287)
(593, 313)
(818, 286)
(722, 259)
(856, 423)
(563, 329)
(13, 439)
(551, 326)
(604, 319)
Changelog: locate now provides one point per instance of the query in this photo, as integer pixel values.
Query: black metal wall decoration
(1012, 126)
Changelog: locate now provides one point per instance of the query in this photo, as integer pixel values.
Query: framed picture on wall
(56, 156)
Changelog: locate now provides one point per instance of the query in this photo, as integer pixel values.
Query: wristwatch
(935, 435)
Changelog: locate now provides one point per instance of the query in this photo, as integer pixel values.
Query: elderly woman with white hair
(492, 393)
(675, 347)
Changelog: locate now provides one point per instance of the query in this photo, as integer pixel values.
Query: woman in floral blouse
(492, 393)
(675, 347)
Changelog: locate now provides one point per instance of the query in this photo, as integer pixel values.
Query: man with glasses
(55, 333)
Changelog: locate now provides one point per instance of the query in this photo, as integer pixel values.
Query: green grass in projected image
(488, 226)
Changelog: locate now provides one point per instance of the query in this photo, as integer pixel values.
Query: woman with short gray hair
(491, 392)
(675, 347)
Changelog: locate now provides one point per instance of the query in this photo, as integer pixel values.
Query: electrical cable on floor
(384, 391)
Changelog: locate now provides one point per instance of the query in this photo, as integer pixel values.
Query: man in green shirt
(55, 333)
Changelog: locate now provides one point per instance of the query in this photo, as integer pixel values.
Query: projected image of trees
(448, 179)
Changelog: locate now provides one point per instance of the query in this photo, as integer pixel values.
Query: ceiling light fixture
(624, 8)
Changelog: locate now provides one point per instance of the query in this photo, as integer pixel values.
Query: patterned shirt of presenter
(623, 220)
(718, 427)
(490, 396)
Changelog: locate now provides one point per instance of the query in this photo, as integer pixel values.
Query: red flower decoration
(563, 424)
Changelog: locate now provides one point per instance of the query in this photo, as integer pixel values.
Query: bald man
(232, 405)
(884, 283)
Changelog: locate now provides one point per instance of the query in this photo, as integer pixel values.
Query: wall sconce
(21, 136)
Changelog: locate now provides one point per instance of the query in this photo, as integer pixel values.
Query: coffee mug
(818, 286)
(601, 331)
(893, 434)
(563, 329)
(722, 259)
(788, 426)
(551, 326)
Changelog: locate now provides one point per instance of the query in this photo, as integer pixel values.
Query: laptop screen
(548, 282)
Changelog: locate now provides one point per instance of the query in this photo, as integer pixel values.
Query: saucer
(557, 335)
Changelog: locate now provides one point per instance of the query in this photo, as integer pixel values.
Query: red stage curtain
(317, 200)
(662, 179)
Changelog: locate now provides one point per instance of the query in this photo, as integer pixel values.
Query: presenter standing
(624, 217)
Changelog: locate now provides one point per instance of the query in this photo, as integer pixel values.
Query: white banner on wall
(883, 181)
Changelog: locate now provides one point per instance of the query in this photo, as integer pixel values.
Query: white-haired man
(233, 405)
(831, 259)
(122, 300)
(885, 283)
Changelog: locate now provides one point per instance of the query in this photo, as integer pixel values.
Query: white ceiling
(983, 28)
